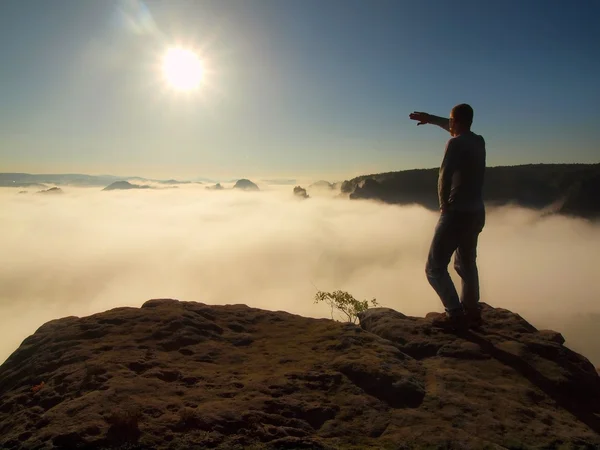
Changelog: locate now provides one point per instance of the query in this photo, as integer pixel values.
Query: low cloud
(87, 251)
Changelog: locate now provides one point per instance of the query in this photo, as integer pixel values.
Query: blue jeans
(456, 231)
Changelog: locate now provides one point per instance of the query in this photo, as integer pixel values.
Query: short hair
(463, 113)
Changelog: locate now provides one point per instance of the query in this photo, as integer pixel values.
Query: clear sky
(293, 87)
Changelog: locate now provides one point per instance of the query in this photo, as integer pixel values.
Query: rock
(368, 188)
(53, 190)
(300, 192)
(390, 384)
(124, 185)
(245, 185)
(552, 336)
(506, 341)
(171, 373)
(462, 350)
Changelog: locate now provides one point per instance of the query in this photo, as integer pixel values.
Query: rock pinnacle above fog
(245, 185)
(124, 185)
(182, 375)
(52, 190)
(300, 192)
(216, 187)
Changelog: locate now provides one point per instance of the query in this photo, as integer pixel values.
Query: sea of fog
(86, 251)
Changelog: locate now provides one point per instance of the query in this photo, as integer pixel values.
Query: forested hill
(571, 189)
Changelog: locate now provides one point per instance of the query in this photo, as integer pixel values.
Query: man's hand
(425, 118)
(422, 117)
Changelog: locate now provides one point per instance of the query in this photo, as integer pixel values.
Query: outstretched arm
(424, 118)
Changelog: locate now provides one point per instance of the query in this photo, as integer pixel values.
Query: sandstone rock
(52, 190)
(216, 187)
(183, 375)
(125, 185)
(300, 192)
(245, 185)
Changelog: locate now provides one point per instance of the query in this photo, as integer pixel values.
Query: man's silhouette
(462, 217)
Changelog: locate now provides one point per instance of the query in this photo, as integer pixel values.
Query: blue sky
(298, 88)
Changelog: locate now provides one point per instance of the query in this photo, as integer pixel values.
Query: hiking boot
(455, 322)
(473, 316)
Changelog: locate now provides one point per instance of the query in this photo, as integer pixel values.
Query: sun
(182, 69)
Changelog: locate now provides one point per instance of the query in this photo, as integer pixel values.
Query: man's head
(461, 118)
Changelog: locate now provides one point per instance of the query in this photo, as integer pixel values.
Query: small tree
(345, 303)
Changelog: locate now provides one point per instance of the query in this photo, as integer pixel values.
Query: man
(462, 218)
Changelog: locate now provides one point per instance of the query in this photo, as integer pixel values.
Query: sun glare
(182, 69)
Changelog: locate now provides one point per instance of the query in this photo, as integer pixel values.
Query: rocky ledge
(182, 375)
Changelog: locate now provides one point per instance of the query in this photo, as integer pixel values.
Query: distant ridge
(41, 180)
(121, 185)
(570, 189)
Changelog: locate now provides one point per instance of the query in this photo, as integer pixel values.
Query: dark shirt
(460, 182)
